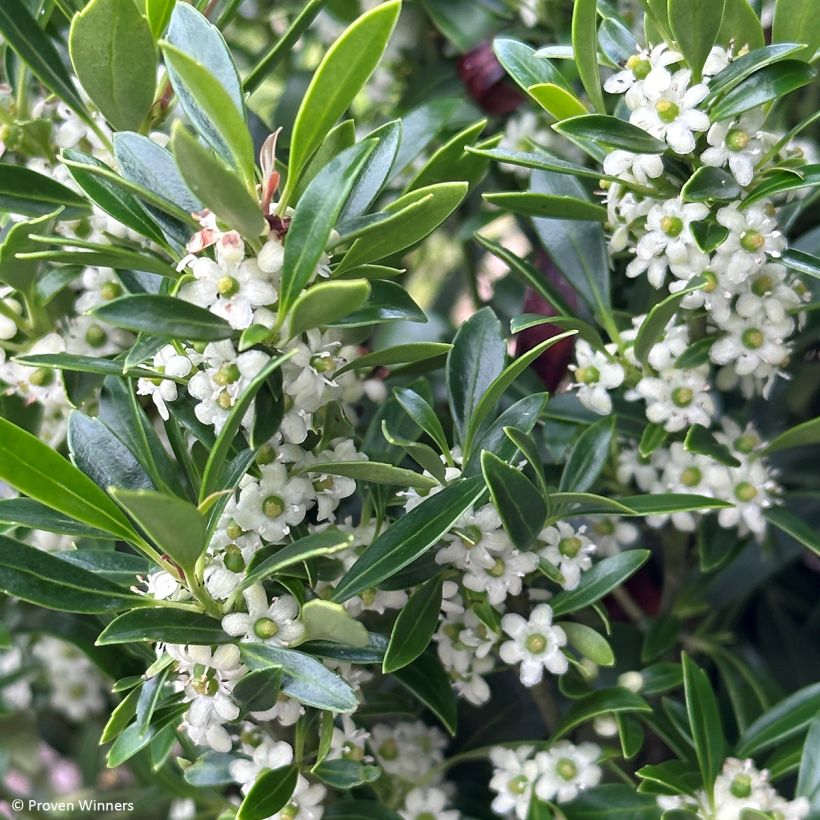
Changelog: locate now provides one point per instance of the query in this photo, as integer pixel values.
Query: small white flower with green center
(473, 540)
(505, 575)
(751, 489)
(275, 623)
(568, 550)
(678, 398)
(753, 345)
(612, 533)
(428, 803)
(169, 363)
(644, 74)
(265, 754)
(514, 774)
(595, 374)
(736, 142)
(536, 644)
(565, 770)
(670, 113)
(753, 236)
(642, 167)
(274, 503)
(305, 802)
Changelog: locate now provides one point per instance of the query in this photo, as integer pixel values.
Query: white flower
(514, 773)
(407, 750)
(505, 575)
(670, 114)
(331, 489)
(565, 770)
(737, 143)
(305, 803)
(275, 623)
(275, 503)
(267, 755)
(427, 803)
(752, 490)
(753, 235)
(752, 346)
(348, 741)
(595, 374)
(645, 73)
(40, 384)
(168, 362)
(612, 533)
(474, 539)
(667, 240)
(568, 550)
(470, 685)
(678, 398)
(642, 167)
(535, 643)
(718, 59)
(85, 336)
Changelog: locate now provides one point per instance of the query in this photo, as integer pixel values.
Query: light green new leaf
(327, 621)
(695, 25)
(218, 106)
(584, 46)
(115, 57)
(589, 643)
(557, 100)
(340, 76)
(325, 303)
(398, 354)
(36, 470)
(216, 185)
(520, 505)
(158, 13)
(172, 524)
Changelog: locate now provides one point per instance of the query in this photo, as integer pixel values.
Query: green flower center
(672, 225)
(273, 506)
(691, 476)
(233, 558)
(682, 396)
(498, 569)
(639, 66)
(95, 336)
(566, 768)
(323, 364)
(711, 281)
(667, 111)
(762, 285)
(265, 628)
(233, 530)
(227, 286)
(389, 750)
(350, 751)
(745, 491)
(227, 374)
(205, 685)
(536, 644)
(111, 290)
(737, 139)
(587, 375)
(570, 547)
(745, 443)
(752, 240)
(604, 527)
(741, 786)
(265, 455)
(753, 338)
(41, 377)
(224, 400)
(518, 785)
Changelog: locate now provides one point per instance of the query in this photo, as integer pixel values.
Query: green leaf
(615, 700)
(173, 525)
(422, 211)
(115, 58)
(614, 800)
(704, 721)
(695, 25)
(409, 537)
(702, 441)
(784, 182)
(600, 580)
(770, 83)
(667, 503)
(161, 624)
(422, 414)
(476, 360)
(325, 303)
(611, 133)
(808, 778)
(219, 453)
(120, 567)
(452, 161)
(270, 793)
(741, 27)
(652, 437)
(588, 456)
(388, 302)
(414, 626)
(498, 386)
(522, 64)
(158, 14)
(547, 205)
(23, 191)
(258, 691)
(747, 64)
(795, 527)
(35, 48)
(346, 774)
(83, 364)
(409, 353)
(103, 256)
(24, 512)
(164, 316)
(584, 46)
(372, 471)
(557, 100)
(316, 214)
(326, 621)
(303, 678)
(802, 262)
(344, 70)
(708, 235)
(316, 545)
(426, 680)
(589, 643)
(519, 504)
(710, 183)
(339, 138)
(217, 108)
(577, 248)
(36, 470)
(21, 274)
(43, 579)
(216, 185)
(796, 22)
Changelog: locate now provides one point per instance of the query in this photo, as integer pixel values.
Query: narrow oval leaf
(588, 456)
(547, 205)
(584, 46)
(589, 643)
(695, 25)
(23, 191)
(162, 624)
(398, 354)
(326, 303)
(611, 132)
(557, 100)
(414, 626)
(270, 793)
(615, 700)
(704, 721)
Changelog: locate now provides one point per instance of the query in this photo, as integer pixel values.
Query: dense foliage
(409, 410)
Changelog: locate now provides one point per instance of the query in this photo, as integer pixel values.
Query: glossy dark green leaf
(710, 183)
(702, 441)
(388, 302)
(611, 132)
(414, 626)
(25, 192)
(652, 437)
(523, 66)
(782, 182)
(115, 58)
(747, 64)
(584, 46)
(612, 800)
(409, 537)
(422, 414)
(695, 25)
(808, 778)
(796, 22)
(398, 354)
(374, 472)
(325, 303)
(427, 681)
(663, 503)
(43, 579)
(547, 205)
(615, 700)
(704, 721)
(451, 161)
(120, 567)
(270, 792)
(795, 527)
(600, 580)
(346, 774)
(25, 512)
(588, 456)
(161, 624)
(303, 678)
(520, 505)
(788, 718)
(164, 316)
